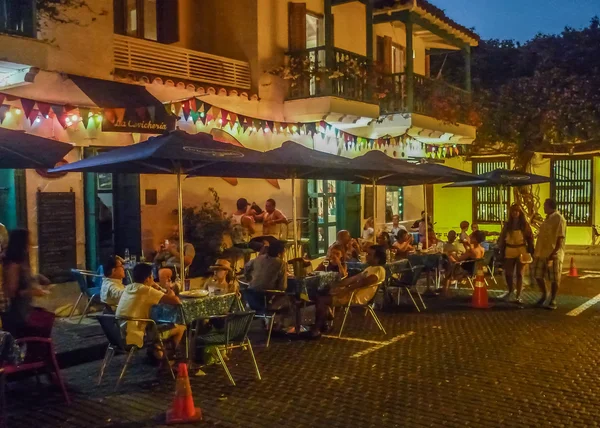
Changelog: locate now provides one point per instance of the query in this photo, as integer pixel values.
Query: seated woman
(474, 252)
(221, 281)
(336, 262)
(364, 285)
(403, 245)
(384, 240)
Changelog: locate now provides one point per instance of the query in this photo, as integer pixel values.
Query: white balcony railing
(170, 61)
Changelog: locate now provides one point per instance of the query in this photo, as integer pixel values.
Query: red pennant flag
(62, 119)
(2, 97)
(44, 108)
(27, 106)
(192, 102)
(186, 110)
(58, 110)
(33, 115)
(69, 107)
(141, 112)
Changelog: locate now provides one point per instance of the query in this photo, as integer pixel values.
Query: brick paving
(506, 366)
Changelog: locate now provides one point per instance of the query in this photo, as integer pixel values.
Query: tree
(542, 96)
(61, 11)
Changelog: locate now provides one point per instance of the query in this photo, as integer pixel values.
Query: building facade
(343, 77)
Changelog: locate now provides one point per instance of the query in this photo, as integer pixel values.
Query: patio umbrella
(503, 178)
(19, 150)
(177, 153)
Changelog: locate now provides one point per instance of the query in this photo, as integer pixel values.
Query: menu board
(57, 238)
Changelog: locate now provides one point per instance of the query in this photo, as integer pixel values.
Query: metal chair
(234, 334)
(116, 343)
(471, 267)
(367, 306)
(407, 280)
(489, 261)
(84, 277)
(258, 301)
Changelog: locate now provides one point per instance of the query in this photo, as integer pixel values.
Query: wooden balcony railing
(316, 73)
(158, 59)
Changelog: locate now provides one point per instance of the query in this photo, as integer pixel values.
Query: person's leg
(509, 268)
(540, 268)
(520, 269)
(321, 310)
(176, 334)
(555, 274)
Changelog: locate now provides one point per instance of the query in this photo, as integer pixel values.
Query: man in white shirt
(112, 283)
(549, 253)
(137, 301)
(364, 286)
(396, 227)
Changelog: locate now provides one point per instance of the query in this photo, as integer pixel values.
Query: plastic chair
(471, 267)
(39, 355)
(367, 306)
(489, 261)
(84, 277)
(116, 343)
(258, 301)
(407, 280)
(234, 334)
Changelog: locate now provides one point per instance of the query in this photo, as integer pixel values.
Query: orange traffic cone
(573, 269)
(480, 296)
(183, 409)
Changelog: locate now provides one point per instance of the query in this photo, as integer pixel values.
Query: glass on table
(133, 259)
(326, 263)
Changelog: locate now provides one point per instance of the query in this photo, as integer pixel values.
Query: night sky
(519, 19)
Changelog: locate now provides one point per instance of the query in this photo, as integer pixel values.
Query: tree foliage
(542, 96)
(64, 11)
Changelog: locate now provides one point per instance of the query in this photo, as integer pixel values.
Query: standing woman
(516, 246)
(19, 289)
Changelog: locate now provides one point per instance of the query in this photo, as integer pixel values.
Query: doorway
(113, 216)
(13, 198)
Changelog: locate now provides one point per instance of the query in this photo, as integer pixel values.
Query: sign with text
(57, 239)
(119, 120)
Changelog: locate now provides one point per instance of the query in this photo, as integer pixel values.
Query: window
(394, 204)
(323, 221)
(490, 204)
(315, 34)
(156, 20)
(18, 17)
(572, 189)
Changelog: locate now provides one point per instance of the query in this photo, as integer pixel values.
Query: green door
(13, 198)
(322, 215)
(349, 209)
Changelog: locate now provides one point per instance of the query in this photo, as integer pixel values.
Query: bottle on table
(126, 254)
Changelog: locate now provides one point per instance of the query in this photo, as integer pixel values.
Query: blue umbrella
(19, 150)
(502, 177)
(177, 153)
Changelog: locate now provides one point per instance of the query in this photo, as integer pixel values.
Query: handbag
(525, 258)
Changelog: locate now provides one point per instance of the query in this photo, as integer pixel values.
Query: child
(219, 283)
(474, 252)
(451, 246)
(464, 236)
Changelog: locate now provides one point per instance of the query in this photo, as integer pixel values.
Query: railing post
(369, 50)
(329, 51)
(410, 66)
(467, 56)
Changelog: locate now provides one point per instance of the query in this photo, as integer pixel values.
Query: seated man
(452, 247)
(137, 301)
(396, 227)
(351, 246)
(268, 272)
(112, 283)
(168, 254)
(474, 252)
(336, 262)
(365, 284)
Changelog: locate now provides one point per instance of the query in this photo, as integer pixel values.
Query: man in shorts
(549, 253)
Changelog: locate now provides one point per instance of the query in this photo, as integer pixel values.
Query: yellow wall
(350, 27)
(398, 35)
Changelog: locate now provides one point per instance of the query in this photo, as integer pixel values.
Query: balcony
(312, 73)
(166, 61)
(431, 97)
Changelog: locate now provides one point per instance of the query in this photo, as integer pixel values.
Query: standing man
(271, 218)
(549, 253)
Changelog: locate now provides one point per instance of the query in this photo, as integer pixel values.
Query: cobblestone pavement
(448, 366)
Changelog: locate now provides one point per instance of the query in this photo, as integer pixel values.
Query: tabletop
(192, 309)
(312, 284)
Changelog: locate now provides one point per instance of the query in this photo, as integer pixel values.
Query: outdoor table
(10, 352)
(301, 290)
(431, 263)
(192, 309)
(390, 267)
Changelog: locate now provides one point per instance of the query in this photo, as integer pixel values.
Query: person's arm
(169, 298)
(11, 284)
(279, 217)
(560, 236)
(343, 270)
(364, 281)
(42, 280)
(260, 217)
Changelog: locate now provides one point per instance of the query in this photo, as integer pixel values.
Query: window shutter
(380, 51)
(119, 16)
(296, 26)
(428, 65)
(387, 54)
(167, 25)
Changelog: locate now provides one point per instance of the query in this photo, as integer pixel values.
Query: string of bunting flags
(199, 110)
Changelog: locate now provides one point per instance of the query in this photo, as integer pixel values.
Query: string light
(38, 120)
(74, 118)
(266, 130)
(18, 111)
(8, 114)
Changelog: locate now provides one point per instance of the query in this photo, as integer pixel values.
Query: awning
(108, 94)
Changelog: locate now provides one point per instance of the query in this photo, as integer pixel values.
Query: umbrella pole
(180, 221)
(374, 210)
(295, 216)
(426, 216)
